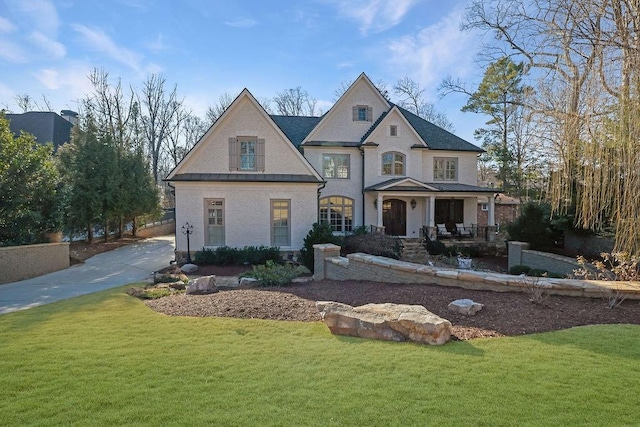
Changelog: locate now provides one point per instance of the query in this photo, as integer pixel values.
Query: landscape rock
(189, 268)
(170, 278)
(465, 306)
(249, 282)
(202, 285)
(392, 322)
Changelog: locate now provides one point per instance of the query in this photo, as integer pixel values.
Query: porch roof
(245, 177)
(427, 187)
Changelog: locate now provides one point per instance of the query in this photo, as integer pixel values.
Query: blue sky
(208, 47)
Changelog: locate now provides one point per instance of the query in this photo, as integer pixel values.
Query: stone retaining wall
(157, 230)
(359, 266)
(24, 262)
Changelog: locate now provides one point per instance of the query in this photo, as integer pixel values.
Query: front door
(394, 217)
(449, 212)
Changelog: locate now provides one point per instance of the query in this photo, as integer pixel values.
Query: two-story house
(260, 179)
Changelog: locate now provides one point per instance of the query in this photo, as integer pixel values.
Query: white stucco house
(260, 179)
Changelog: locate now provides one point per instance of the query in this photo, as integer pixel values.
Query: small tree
(320, 233)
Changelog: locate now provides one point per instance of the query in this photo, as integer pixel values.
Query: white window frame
(219, 219)
(484, 207)
(338, 212)
(333, 166)
(277, 206)
(445, 169)
(395, 157)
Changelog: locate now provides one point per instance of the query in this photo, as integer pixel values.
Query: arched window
(337, 211)
(393, 163)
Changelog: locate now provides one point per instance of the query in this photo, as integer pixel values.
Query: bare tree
(414, 100)
(25, 102)
(295, 102)
(214, 111)
(160, 108)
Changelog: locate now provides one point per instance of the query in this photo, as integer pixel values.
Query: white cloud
(41, 14)
(12, 52)
(71, 80)
(6, 26)
(52, 47)
(101, 42)
(374, 15)
(435, 52)
(242, 23)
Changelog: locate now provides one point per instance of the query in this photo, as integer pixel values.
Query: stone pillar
(491, 221)
(320, 254)
(515, 252)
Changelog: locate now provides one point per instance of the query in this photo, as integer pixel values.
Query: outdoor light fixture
(375, 203)
(188, 230)
(413, 203)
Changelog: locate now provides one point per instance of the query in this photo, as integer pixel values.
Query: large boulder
(202, 285)
(392, 322)
(189, 268)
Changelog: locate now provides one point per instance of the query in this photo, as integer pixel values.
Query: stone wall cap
(323, 247)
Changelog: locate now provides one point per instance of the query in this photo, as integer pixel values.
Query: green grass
(105, 359)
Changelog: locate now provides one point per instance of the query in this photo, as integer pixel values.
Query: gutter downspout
(362, 185)
(324, 184)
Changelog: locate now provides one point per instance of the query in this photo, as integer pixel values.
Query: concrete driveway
(131, 263)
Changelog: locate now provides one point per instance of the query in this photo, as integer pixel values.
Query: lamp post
(188, 230)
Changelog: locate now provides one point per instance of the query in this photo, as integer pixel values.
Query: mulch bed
(504, 314)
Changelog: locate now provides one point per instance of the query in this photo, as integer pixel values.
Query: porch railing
(374, 229)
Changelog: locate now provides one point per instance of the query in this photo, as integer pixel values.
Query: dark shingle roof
(373, 126)
(244, 177)
(440, 186)
(46, 126)
(435, 137)
(296, 127)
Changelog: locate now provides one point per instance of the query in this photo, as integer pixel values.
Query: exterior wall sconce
(375, 203)
(413, 203)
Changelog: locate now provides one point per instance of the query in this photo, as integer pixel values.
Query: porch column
(432, 211)
(379, 210)
(491, 221)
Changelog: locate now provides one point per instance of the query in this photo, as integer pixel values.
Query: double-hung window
(337, 211)
(246, 153)
(280, 222)
(445, 169)
(335, 166)
(393, 163)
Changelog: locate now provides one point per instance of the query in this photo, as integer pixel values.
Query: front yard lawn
(107, 359)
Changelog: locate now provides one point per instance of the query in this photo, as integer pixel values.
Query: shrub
(612, 266)
(373, 244)
(320, 233)
(272, 274)
(435, 247)
(535, 227)
(517, 270)
(226, 255)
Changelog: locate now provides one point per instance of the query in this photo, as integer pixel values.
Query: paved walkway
(127, 264)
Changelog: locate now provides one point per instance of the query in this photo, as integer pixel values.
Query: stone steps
(413, 250)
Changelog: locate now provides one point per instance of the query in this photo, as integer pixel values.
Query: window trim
(207, 203)
(393, 130)
(393, 163)
(444, 169)
(346, 202)
(235, 153)
(272, 219)
(331, 155)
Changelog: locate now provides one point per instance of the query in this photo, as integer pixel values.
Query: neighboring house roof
(45, 126)
(296, 127)
(435, 137)
(415, 185)
(502, 199)
(244, 177)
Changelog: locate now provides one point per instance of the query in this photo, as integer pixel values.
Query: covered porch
(411, 209)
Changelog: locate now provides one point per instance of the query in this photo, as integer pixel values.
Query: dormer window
(362, 113)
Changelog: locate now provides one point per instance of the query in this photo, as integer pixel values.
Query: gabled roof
(435, 137)
(400, 184)
(46, 126)
(296, 127)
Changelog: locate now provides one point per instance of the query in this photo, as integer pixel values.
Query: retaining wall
(359, 266)
(157, 230)
(24, 262)
(520, 254)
